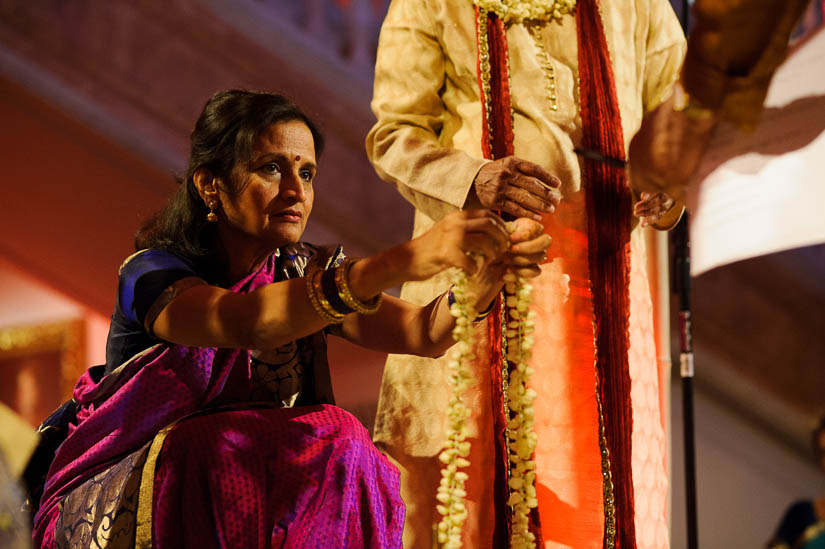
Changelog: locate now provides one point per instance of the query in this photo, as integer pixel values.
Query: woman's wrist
(487, 299)
(343, 289)
(372, 275)
(331, 295)
(481, 314)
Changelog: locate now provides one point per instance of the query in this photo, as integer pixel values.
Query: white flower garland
(451, 492)
(521, 436)
(520, 425)
(518, 11)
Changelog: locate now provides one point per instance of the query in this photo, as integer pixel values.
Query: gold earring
(212, 217)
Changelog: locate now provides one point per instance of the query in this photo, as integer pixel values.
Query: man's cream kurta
(427, 142)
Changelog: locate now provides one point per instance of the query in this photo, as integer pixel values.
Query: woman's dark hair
(222, 141)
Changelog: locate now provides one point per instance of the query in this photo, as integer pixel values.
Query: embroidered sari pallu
(167, 452)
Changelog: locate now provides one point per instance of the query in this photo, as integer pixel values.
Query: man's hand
(652, 207)
(517, 187)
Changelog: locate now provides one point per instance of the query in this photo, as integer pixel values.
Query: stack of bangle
(319, 301)
(331, 296)
(344, 291)
(481, 315)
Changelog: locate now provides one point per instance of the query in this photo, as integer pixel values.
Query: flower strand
(454, 456)
(521, 436)
(520, 425)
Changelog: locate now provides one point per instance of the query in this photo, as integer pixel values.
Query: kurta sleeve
(665, 51)
(404, 145)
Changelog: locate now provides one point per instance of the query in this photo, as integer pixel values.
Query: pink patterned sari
(168, 451)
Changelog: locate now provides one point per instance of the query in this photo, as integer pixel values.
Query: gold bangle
(316, 296)
(689, 105)
(318, 286)
(344, 291)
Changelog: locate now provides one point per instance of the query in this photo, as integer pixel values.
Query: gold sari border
(143, 530)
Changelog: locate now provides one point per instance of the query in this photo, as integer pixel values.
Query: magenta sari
(169, 452)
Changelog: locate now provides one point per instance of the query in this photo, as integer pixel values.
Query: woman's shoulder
(150, 259)
(146, 274)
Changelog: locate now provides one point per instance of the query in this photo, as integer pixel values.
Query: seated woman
(214, 423)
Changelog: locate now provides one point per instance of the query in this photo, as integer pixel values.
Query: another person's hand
(517, 187)
(666, 151)
(652, 207)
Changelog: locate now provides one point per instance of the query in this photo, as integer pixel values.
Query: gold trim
(143, 530)
(484, 64)
(101, 511)
(67, 337)
(510, 92)
(505, 391)
(130, 258)
(521, 11)
(690, 106)
(607, 475)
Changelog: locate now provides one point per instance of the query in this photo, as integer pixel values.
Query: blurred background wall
(96, 103)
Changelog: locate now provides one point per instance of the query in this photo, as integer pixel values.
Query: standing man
(433, 141)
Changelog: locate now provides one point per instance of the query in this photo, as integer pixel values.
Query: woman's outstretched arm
(404, 328)
(209, 316)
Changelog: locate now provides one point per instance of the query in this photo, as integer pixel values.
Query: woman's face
(276, 199)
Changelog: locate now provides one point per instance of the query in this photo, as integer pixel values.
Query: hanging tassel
(609, 207)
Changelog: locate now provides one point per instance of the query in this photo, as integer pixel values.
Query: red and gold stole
(609, 208)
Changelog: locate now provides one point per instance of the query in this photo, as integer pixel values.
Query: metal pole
(681, 269)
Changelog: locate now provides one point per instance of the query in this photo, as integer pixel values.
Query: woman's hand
(528, 249)
(469, 240)
(400, 327)
(652, 207)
